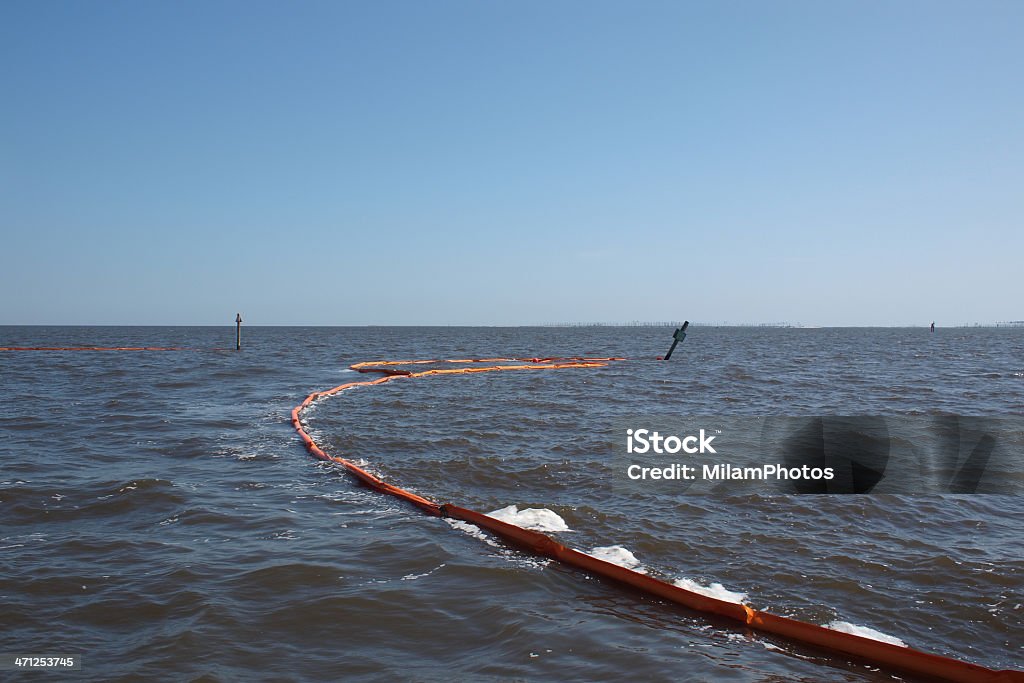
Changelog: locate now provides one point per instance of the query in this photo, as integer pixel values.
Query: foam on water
(864, 632)
(471, 529)
(616, 554)
(538, 519)
(715, 590)
(413, 577)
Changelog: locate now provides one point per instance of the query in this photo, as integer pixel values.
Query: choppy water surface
(159, 515)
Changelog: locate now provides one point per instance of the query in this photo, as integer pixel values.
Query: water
(159, 515)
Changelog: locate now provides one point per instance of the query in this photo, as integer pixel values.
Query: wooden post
(678, 336)
(238, 332)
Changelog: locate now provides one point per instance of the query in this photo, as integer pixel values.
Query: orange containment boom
(92, 348)
(895, 657)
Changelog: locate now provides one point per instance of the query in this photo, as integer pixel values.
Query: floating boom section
(894, 657)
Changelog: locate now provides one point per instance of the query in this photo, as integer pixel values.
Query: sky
(500, 163)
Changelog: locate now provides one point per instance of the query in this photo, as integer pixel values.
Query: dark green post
(238, 332)
(678, 336)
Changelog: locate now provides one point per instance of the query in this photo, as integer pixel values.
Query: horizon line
(665, 324)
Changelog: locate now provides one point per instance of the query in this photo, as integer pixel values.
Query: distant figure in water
(933, 326)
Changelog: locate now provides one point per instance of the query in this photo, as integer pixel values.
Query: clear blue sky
(333, 163)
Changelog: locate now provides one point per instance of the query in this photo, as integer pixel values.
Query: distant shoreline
(1007, 324)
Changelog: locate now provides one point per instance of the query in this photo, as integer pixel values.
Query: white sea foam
(616, 554)
(413, 577)
(471, 529)
(864, 632)
(715, 590)
(538, 519)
